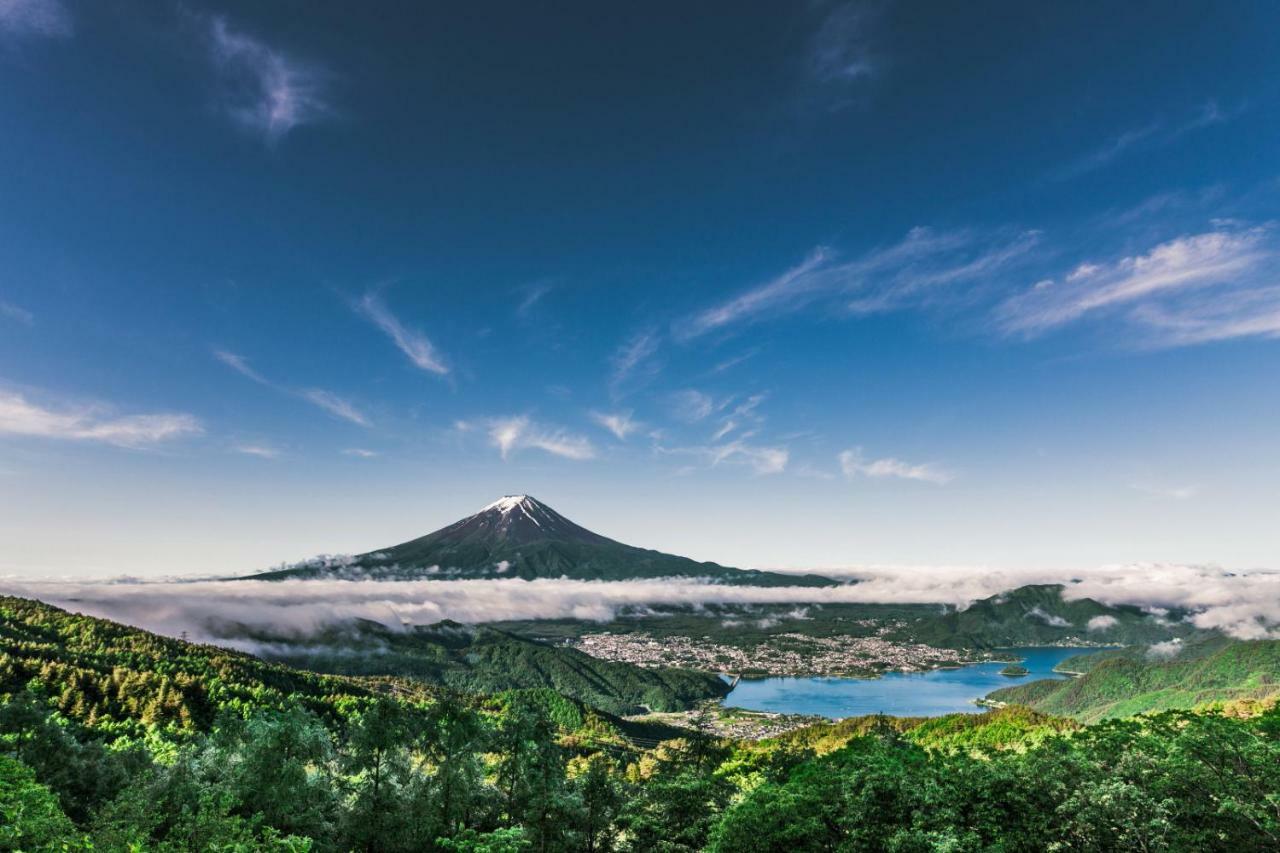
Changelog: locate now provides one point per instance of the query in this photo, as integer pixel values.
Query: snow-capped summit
(506, 503)
(518, 519)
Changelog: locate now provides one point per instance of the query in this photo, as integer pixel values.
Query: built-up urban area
(780, 654)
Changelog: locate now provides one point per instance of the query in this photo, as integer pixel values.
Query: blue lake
(899, 694)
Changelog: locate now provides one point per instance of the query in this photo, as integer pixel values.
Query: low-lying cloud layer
(1243, 605)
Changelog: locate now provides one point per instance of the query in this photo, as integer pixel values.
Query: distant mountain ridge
(518, 536)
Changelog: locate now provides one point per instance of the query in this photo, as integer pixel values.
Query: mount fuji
(518, 536)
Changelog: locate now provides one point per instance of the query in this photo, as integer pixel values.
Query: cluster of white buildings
(781, 654)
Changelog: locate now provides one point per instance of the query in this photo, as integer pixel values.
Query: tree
(30, 817)
(378, 760)
(279, 769)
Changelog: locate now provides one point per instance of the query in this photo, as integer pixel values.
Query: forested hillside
(1134, 681)
(117, 740)
(35, 635)
(1038, 615)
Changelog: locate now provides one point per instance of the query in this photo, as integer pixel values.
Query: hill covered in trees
(488, 660)
(188, 681)
(1124, 682)
(114, 739)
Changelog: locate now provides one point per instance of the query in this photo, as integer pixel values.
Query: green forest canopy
(135, 742)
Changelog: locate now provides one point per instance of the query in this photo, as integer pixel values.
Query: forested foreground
(151, 744)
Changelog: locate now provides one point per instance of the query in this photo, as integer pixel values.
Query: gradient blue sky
(770, 284)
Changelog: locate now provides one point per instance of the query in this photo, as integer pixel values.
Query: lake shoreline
(935, 692)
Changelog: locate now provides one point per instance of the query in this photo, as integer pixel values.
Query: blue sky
(770, 284)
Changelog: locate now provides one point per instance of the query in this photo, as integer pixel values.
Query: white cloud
(335, 405)
(1234, 267)
(262, 88)
(262, 451)
(621, 424)
(14, 312)
(327, 400)
(413, 344)
(1108, 151)
(765, 460)
(519, 432)
(1148, 136)
(533, 294)
(18, 416)
(762, 459)
(841, 59)
(206, 608)
(634, 359)
(743, 413)
(691, 405)
(1048, 618)
(786, 292)
(360, 452)
(240, 365)
(1178, 493)
(919, 270)
(1164, 651)
(853, 464)
(1248, 312)
(1102, 623)
(48, 18)
(840, 52)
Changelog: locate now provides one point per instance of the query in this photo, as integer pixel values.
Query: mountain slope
(520, 537)
(1039, 615)
(1128, 682)
(123, 679)
(487, 660)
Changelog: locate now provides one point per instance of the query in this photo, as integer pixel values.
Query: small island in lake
(1014, 670)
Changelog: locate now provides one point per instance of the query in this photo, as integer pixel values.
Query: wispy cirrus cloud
(16, 312)
(92, 423)
(760, 458)
(1218, 284)
(262, 451)
(262, 88)
(742, 414)
(240, 365)
(360, 453)
(842, 55)
(787, 292)
(853, 463)
(514, 433)
(42, 18)
(691, 405)
(633, 361)
(763, 459)
(621, 424)
(415, 345)
(920, 270)
(1135, 139)
(533, 294)
(335, 405)
(330, 402)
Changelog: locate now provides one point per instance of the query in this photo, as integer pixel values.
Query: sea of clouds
(1244, 605)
